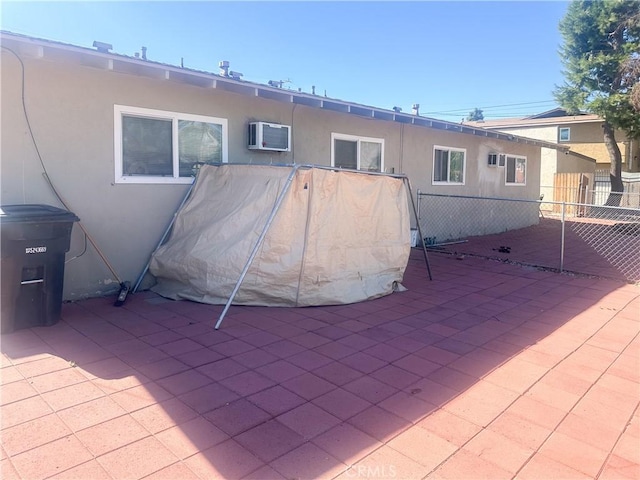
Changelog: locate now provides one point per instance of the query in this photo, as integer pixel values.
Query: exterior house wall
(587, 139)
(480, 179)
(574, 164)
(445, 218)
(71, 112)
(549, 163)
(554, 162)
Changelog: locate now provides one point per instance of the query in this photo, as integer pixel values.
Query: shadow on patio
(490, 371)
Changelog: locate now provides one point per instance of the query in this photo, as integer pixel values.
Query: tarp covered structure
(328, 237)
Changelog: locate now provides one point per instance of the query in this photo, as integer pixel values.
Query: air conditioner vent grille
(269, 136)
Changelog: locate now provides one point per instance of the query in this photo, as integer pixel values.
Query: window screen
(441, 166)
(346, 154)
(146, 146)
(198, 142)
(448, 165)
(516, 170)
(156, 146)
(370, 156)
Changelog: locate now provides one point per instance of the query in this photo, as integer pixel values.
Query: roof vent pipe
(313, 89)
(415, 109)
(224, 68)
(144, 53)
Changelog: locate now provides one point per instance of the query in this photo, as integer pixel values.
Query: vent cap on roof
(102, 47)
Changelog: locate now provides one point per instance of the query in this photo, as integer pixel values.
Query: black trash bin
(33, 243)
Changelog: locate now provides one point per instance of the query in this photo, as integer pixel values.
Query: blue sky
(449, 57)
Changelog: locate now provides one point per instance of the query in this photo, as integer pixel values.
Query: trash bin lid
(35, 213)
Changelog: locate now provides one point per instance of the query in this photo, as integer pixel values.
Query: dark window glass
(146, 146)
(441, 166)
(346, 154)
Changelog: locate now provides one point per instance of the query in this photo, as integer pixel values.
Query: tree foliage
(631, 71)
(601, 41)
(475, 115)
(600, 53)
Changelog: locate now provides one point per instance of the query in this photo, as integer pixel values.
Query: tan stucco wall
(549, 160)
(574, 164)
(71, 109)
(586, 139)
(597, 151)
(546, 133)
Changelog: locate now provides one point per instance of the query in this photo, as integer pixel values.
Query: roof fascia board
(581, 156)
(137, 66)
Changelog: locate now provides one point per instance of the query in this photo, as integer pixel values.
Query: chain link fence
(579, 238)
(630, 198)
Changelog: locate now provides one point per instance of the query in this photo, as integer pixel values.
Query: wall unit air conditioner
(269, 136)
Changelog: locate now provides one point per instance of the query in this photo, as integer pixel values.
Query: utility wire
(45, 174)
(467, 110)
(33, 138)
(513, 114)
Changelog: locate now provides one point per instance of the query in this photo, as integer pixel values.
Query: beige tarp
(338, 237)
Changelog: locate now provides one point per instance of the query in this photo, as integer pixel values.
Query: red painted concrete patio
(490, 371)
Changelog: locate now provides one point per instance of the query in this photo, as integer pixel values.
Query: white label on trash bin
(35, 250)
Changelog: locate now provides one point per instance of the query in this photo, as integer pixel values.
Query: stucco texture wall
(71, 110)
(586, 139)
(549, 161)
(575, 164)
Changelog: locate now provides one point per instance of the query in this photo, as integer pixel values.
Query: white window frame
(433, 166)
(564, 129)
(506, 170)
(122, 110)
(358, 139)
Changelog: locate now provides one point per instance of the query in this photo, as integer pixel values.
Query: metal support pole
(562, 239)
(166, 232)
(415, 213)
(84, 230)
(254, 252)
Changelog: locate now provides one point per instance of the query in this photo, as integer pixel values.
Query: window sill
(154, 180)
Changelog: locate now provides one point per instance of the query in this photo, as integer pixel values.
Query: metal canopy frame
(274, 211)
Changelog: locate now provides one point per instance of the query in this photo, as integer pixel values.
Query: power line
(515, 114)
(467, 110)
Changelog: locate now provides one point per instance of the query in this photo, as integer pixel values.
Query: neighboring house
(119, 137)
(582, 134)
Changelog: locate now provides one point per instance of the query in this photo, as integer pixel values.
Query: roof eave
(136, 66)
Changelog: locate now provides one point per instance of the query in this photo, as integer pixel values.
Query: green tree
(601, 45)
(631, 71)
(476, 115)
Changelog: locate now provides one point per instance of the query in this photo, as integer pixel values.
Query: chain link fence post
(562, 235)
(594, 240)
